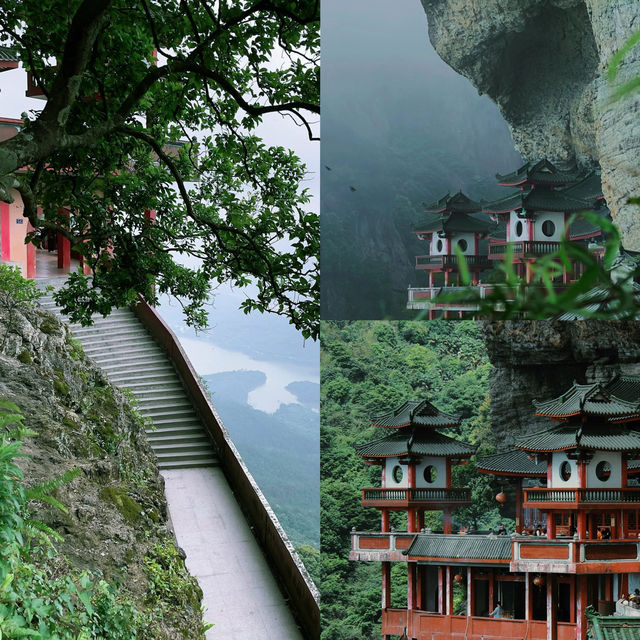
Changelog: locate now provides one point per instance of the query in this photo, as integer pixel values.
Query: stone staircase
(121, 346)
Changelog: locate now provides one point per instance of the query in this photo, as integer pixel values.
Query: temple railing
(452, 262)
(498, 248)
(380, 546)
(538, 497)
(380, 496)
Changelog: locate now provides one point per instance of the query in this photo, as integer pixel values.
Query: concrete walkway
(241, 596)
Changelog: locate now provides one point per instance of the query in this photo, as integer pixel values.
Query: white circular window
(463, 245)
(430, 474)
(397, 474)
(603, 470)
(519, 228)
(565, 470)
(548, 228)
(439, 246)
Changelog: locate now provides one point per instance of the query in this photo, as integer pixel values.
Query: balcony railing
(576, 497)
(452, 262)
(380, 497)
(380, 547)
(528, 248)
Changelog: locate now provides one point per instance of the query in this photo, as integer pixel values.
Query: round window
(430, 474)
(548, 228)
(519, 228)
(603, 470)
(463, 245)
(439, 246)
(397, 474)
(565, 470)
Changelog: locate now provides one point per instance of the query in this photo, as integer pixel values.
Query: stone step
(178, 431)
(125, 346)
(186, 456)
(161, 423)
(159, 438)
(136, 357)
(169, 413)
(203, 447)
(185, 464)
(151, 379)
(95, 334)
(164, 399)
(148, 363)
(150, 395)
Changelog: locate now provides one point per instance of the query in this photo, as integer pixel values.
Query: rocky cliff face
(539, 360)
(544, 63)
(116, 524)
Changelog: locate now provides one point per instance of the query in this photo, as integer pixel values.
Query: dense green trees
(368, 367)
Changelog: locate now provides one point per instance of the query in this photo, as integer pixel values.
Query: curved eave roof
(457, 203)
(472, 547)
(512, 463)
(422, 443)
(543, 172)
(588, 399)
(569, 437)
(589, 188)
(420, 413)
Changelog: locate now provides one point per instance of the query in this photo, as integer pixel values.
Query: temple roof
(462, 547)
(420, 442)
(596, 399)
(589, 188)
(456, 203)
(457, 222)
(583, 227)
(540, 173)
(537, 200)
(8, 59)
(512, 463)
(411, 412)
(615, 627)
(609, 437)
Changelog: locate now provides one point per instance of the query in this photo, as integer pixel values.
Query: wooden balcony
(434, 626)
(380, 547)
(524, 249)
(575, 556)
(452, 263)
(435, 499)
(573, 499)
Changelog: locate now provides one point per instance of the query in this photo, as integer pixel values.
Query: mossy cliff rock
(539, 360)
(544, 63)
(117, 515)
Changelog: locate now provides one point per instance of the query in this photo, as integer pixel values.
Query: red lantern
(458, 577)
(538, 581)
(501, 497)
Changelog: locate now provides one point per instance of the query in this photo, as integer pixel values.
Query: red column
(551, 526)
(441, 590)
(386, 585)
(552, 607)
(581, 605)
(447, 521)
(581, 526)
(420, 517)
(31, 256)
(5, 231)
(572, 600)
(492, 598)
(519, 506)
(528, 610)
(470, 592)
(623, 584)
(449, 592)
(411, 586)
(64, 246)
(411, 513)
(385, 521)
(608, 587)
(419, 580)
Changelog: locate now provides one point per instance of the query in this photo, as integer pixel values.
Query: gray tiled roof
(512, 462)
(415, 441)
(458, 222)
(472, 547)
(542, 172)
(537, 200)
(411, 412)
(8, 55)
(457, 202)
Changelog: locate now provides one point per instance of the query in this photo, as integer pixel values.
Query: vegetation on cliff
(114, 570)
(369, 367)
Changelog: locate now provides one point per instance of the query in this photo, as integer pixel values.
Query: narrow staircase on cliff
(121, 346)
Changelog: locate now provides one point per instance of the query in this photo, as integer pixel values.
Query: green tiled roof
(419, 442)
(470, 547)
(610, 437)
(543, 172)
(599, 299)
(456, 203)
(596, 399)
(589, 188)
(458, 222)
(8, 55)
(516, 462)
(612, 627)
(582, 227)
(411, 412)
(537, 200)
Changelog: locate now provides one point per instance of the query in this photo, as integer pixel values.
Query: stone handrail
(283, 559)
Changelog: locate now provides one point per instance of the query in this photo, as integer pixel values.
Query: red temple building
(572, 486)
(525, 225)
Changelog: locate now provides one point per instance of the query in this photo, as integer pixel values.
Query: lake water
(209, 358)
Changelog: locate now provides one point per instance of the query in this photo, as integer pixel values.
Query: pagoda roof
(420, 442)
(582, 227)
(456, 203)
(598, 300)
(460, 547)
(542, 173)
(512, 463)
(596, 399)
(457, 222)
(613, 627)
(564, 437)
(589, 188)
(419, 413)
(8, 59)
(537, 200)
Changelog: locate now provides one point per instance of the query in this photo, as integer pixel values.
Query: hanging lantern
(538, 581)
(501, 497)
(458, 577)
